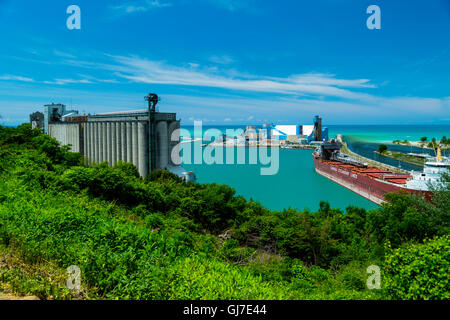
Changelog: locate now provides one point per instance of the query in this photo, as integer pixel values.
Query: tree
(444, 140)
(423, 139)
(382, 148)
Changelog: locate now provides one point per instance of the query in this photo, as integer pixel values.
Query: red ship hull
(366, 183)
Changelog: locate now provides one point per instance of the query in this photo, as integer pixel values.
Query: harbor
(225, 156)
(294, 136)
(296, 167)
(146, 139)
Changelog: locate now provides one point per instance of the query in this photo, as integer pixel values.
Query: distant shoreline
(402, 157)
(420, 144)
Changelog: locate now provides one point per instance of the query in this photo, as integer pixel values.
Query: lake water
(296, 184)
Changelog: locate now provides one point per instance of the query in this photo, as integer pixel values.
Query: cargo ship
(371, 182)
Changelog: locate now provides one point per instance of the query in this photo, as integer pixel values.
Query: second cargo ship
(371, 182)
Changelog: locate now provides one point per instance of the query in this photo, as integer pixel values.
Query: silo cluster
(125, 136)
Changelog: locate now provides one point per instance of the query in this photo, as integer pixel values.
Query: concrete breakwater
(345, 149)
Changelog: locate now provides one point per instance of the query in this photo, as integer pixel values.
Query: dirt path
(4, 296)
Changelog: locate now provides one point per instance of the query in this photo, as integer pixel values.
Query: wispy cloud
(139, 6)
(240, 96)
(221, 59)
(19, 100)
(147, 5)
(68, 81)
(16, 78)
(234, 5)
(63, 54)
(141, 70)
(394, 110)
(147, 71)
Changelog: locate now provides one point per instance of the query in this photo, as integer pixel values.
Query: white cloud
(19, 100)
(249, 97)
(147, 71)
(63, 54)
(379, 110)
(16, 78)
(221, 59)
(68, 81)
(234, 5)
(139, 6)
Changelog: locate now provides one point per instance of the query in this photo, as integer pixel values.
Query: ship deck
(369, 171)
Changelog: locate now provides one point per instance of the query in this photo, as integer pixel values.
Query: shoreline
(374, 163)
(420, 144)
(404, 157)
(225, 145)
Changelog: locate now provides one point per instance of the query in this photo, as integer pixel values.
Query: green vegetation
(406, 142)
(427, 264)
(382, 148)
(403, 157)
(160, 238)
(444, 143)
(433, 144)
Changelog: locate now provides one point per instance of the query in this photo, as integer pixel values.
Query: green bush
(158, 238)
(201, 279)
(419, 271)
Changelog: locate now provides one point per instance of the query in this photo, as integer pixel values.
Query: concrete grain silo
(142, 137)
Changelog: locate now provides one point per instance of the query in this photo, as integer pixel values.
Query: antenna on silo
(153, 100)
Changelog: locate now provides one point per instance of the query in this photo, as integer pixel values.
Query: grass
(403, 157)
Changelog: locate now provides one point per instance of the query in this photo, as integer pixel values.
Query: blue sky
(230, 61)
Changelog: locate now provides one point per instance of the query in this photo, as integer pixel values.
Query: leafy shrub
(419, 271)
(202, 279)
(157, 238)
(162, 176)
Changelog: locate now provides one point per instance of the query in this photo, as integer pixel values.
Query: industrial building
(145, 138)
(297, 133)
(37, 120)
(54, 113)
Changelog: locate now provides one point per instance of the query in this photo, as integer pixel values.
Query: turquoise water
(389, 133)
(364, 140)
(371, 133)
(297, 185)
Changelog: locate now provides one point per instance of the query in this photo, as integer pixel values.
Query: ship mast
(438, 156)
